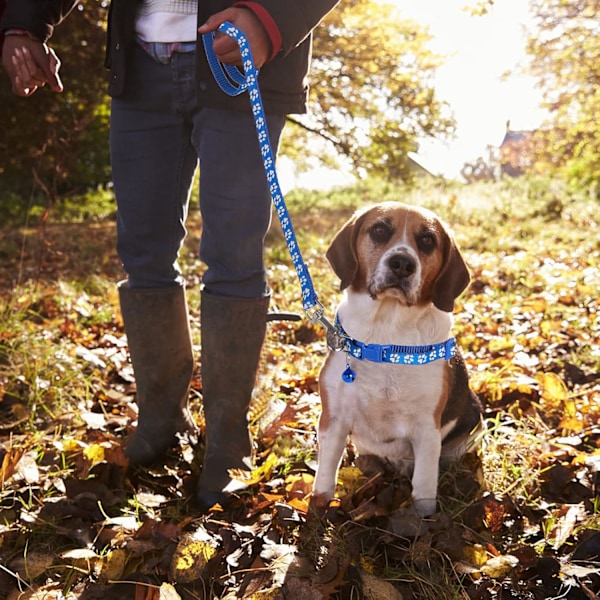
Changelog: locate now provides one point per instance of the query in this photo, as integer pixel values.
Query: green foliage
(94, 205)
(53, 144)
(372, 93)
(565, 51)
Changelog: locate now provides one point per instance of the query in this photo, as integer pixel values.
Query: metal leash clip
(336, 340)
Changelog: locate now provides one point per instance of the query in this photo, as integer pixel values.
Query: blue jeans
(158, 135)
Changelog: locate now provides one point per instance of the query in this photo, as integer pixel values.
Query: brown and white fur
(401, 272)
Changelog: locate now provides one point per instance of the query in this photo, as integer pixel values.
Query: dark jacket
(36, 16)
(283, 83)
(2, 9)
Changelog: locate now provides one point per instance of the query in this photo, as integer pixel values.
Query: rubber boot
(160, 347)
(233, 332)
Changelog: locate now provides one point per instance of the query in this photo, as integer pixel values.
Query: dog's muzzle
(397, 273)
(401, 265)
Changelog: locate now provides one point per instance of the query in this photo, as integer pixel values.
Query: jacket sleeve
(296, 19)
(39, 17)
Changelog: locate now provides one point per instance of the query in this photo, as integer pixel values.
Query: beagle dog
(398, 386)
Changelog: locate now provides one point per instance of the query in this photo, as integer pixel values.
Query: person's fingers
(26, 68)
(226, 48)
(12, 65)
(214, 21)
(54, 67)
(21, 83)
(8, 56)
(48, 65)
(20, 89)
(30, 64)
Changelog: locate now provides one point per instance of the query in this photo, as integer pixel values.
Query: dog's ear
(341, 253)
(452, 279)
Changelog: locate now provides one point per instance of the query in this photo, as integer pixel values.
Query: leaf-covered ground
(521, 520)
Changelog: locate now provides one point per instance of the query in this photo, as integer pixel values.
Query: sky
(479, 52)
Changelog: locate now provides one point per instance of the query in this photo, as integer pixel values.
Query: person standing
(167, 116)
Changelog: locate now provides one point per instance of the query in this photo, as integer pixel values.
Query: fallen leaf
(80, 554)
(301, 505)
(299, 485)
(250, 478)
(279, 557)
(552, 388)
(271, 594)
(94, 453)
(111, 566)
(256, 578)
(579, 570)
(476, 555)
(9, 464)
(190, 558)
(500, 566)
(565, 520)
(350, 478)
(94, 420)
(32, 565)
(377, 589)
(168, 592)
(27, 468)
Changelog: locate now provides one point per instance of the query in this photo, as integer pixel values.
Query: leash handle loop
(229, 78)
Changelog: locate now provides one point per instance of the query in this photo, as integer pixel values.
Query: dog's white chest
(386, 404)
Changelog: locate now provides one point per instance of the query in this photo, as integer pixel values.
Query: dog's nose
(402, 265)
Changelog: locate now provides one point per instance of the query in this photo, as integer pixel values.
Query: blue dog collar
(392, 353)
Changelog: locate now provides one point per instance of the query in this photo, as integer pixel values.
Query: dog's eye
(380, 232)
(427, 242)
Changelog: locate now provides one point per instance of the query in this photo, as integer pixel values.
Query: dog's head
(399, 251)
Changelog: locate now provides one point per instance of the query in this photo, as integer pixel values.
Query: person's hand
(30, 64)
(226, 48)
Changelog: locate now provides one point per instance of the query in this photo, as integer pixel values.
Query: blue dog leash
(234, 82)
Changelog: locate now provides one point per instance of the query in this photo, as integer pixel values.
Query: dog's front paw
(425, 507)
(318, 505)
(320, 501)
